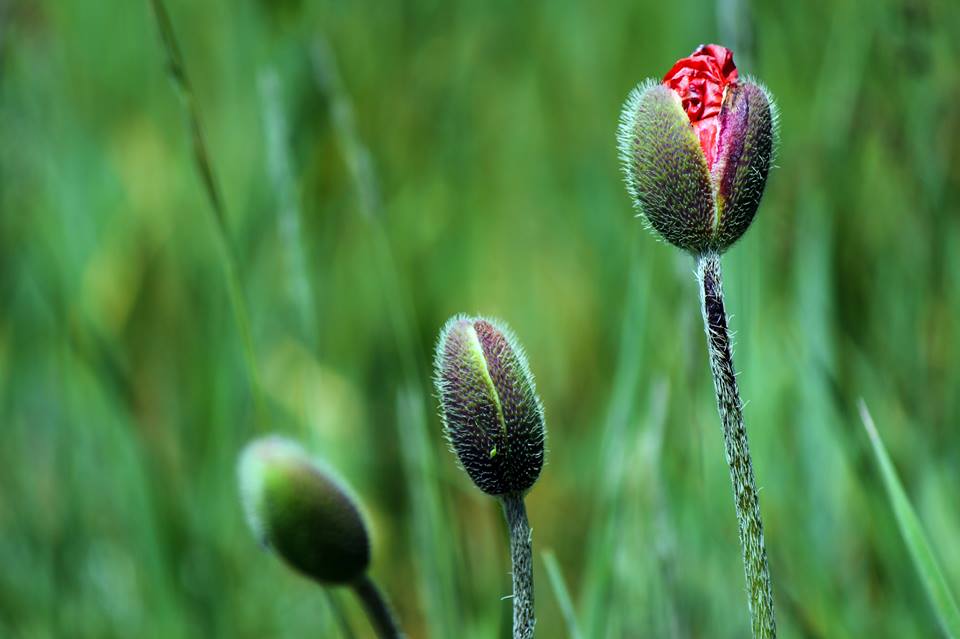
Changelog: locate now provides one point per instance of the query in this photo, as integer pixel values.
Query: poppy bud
(696, 150)
(491, 413)
(302, 513)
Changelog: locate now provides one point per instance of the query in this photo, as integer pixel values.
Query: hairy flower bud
(300, 511)
(696, 150)
(491, 413)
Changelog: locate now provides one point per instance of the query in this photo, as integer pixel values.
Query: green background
(386, 165)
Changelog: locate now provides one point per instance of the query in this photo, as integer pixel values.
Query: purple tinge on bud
(744, 159)
(691, 203)
(301, 512)
(491, 413)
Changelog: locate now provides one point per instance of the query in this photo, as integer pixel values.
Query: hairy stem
(759, 589)
(521, 554)
(377, 608)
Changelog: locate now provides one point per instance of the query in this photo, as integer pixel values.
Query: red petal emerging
(700, 80)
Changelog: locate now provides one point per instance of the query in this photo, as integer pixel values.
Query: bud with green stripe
(494, 421)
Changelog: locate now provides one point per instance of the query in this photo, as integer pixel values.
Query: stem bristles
(746, 500)
(521, 555)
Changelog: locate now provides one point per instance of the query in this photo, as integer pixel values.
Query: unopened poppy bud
(301, 512)
(491, 413)
(697, 149)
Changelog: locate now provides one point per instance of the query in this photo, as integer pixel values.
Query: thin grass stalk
(201, 156)
(597, 584)
(339, 617)
(562, 593)
(433, 537)
(204, 165)
(289, 214)
(746, 500)
(911, 530)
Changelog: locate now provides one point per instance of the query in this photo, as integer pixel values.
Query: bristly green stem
(377, 608)
(521, 555)
(759, 588)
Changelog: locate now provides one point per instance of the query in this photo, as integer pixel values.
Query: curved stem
(759, 589)
(521, 554)
(377, 608)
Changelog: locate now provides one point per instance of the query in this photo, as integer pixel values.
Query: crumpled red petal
(700, 80)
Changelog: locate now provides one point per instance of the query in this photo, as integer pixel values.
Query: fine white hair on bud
(664, 167)
(491, 413)
(696, 150)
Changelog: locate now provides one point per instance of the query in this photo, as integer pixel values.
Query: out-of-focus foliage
(386, 165)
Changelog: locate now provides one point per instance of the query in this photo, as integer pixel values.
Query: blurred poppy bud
(696, 150)
(302, 513)
(491, 413)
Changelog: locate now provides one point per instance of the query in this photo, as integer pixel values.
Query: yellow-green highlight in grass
(921, 553)
(559, 587)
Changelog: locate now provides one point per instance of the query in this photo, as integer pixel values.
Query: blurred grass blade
(431, 527)
(920, 551)
(289, 214)
(609, 514)
(430, 524)
(339, 617)
(560, 591)
(178, 75)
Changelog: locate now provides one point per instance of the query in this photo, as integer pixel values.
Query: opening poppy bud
(696, 150)
(301, 512)
(491, 413)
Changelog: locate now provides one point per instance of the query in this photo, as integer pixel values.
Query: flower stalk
(696, 150)
(521, 555)
(494, 422)
(746, 500)
(378, 610)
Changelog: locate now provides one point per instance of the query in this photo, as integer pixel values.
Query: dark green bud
(665, 171)
(491, 413)
(302, 512)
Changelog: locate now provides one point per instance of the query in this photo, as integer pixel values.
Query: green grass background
(385, 165)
